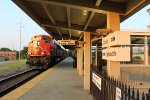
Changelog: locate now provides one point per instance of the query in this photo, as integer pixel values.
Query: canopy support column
(87, 58)
(113, 23)
(81, 59)
(78, 58)
(96, 55)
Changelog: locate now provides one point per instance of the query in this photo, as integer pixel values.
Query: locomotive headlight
(42, 53)
(38, 43)
(30, 53)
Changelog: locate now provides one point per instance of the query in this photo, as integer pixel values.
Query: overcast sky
(11, 15)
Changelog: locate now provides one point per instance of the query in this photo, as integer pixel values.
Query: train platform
(61, 82)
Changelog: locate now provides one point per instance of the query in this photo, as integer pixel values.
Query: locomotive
(44, 52)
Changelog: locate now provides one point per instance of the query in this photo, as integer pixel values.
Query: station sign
(116, 38)
(116, 54)
(114, 46)
(66, 42)
(97, 80)
(118, 93)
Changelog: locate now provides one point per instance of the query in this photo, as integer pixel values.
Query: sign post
(115, 46)
(116, 49)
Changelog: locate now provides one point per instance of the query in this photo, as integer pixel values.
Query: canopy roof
(68, 19)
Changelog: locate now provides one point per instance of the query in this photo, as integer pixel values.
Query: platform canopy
(68, 19)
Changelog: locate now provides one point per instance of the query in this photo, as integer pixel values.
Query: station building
(139, 48)
(9, 55)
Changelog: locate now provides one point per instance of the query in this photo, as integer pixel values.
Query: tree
(71, 53)
(17, 54)
(5, 49)
(23, 53)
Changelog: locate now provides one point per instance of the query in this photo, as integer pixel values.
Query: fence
(103, 87)
(137, 77)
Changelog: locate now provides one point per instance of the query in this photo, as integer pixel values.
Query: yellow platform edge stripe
(15, 94)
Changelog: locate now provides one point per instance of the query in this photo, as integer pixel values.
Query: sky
(11, 16)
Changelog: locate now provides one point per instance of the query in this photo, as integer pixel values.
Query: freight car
(44, 52)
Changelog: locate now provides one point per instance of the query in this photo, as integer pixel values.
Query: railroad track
(10, 83)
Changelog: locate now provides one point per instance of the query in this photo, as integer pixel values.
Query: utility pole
(20, 30)
(148, 10)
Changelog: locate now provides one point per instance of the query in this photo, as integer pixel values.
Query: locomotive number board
(66, 42)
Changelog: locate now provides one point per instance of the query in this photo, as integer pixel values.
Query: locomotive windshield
(46, 39)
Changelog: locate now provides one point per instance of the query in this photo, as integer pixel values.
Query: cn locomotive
(44, 52)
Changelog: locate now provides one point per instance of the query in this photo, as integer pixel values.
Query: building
(139, 48)
(137, 71)
(2, 58)
(9, 55)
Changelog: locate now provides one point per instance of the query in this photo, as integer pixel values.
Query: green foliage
(74, 54)
(23, 53)
(5, 49)
(137, 58)
(93, 55)
(71, 53)
(17, 54)
(13, 65)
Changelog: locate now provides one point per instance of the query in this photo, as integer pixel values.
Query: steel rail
(10, 83)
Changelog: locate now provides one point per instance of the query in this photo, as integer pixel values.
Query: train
(44, 52)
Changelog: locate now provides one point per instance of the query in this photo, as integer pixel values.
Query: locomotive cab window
(46, 39)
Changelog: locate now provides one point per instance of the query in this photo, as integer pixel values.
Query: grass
(11, 68)
(14, 65)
